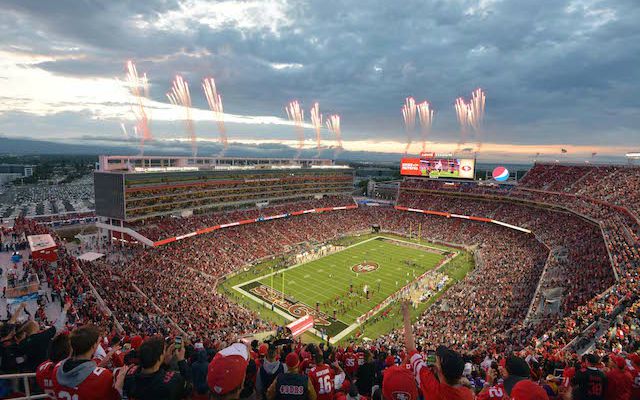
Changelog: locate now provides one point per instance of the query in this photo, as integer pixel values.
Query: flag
(563, 150)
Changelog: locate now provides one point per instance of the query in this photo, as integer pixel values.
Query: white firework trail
(180, 96)
(425, 115)
(214, 99)
(295, 113)
(316, 121)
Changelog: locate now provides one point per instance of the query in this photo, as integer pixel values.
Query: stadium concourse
(548, 314)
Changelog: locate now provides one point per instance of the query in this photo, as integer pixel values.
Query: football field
(341, 287)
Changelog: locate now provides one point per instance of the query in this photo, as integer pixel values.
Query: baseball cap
(262, 350)
(227, 370)
(399, 384)
(136, 341)
(528, 390)
(619, 361)
(389, 361)
(292, 360)
(451, 363)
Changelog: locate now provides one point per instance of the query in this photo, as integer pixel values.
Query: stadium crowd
(149, 324)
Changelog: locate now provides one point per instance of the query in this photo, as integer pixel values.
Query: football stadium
(462, 244)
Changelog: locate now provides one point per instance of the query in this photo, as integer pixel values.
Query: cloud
(554, 71)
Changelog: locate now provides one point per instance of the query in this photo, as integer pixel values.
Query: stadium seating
(585, 247)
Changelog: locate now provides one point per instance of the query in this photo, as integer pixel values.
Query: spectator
(291, 385)
(590, 383)
(270, 369)
(399, 384)
(227, 372)
(59, 349)
(79, 376)
(151, 379)
(445, 383)
(517, 384)
(619, 380)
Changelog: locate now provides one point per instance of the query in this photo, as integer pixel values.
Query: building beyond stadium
(131, 188)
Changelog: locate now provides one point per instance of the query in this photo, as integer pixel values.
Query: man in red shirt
(59, 349)
(443, 383)
(634, 369)
(350, 363)
(619, 381)
(78, 377)
(398, 383)
(322, 377)
(494, 389)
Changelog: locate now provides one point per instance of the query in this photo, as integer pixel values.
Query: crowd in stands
(168, 226)
(504, 336)
(87, 363)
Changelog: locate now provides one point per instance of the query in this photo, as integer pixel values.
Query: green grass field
(327, 280)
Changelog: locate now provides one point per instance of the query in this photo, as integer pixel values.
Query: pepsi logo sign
(500, 174)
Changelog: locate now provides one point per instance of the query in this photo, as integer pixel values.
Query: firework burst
(215, 104)
(316, 121)
(295, 113)
(139, 88)
(180, 96)
(425, 115)
(333, 124)
(409, 119)
(471, 115)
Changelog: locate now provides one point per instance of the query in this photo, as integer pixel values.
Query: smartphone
(178, 342)
(431, 357)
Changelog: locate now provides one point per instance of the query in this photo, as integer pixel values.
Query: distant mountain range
(105, 145)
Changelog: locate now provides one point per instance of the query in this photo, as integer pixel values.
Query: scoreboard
(433, 165)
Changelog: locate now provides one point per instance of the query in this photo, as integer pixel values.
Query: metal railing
(27, 387)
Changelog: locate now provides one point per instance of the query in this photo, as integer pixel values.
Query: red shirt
(493, 392)
(44, 378)
(567, 375)
(619, 385)
(350, 363)
(97, 386)
(635, 388)
(322, 377)
(431, 388)
(306, 365)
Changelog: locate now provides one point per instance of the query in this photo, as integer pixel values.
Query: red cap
(227, 370)
(399, 384)
(136, 341)
(528, 390)
(292, 360)
(618, 361)
(389, 361)
(262, 350)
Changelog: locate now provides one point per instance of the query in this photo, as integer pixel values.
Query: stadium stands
(533, 304)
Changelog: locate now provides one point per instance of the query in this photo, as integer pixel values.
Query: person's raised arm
(409, 340)
(16, 314)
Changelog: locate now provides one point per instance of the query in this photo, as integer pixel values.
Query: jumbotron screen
(460, 168)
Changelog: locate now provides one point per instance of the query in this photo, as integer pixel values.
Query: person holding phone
(152, 379)
(442, 382)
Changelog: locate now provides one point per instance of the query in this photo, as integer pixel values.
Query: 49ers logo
(365, 267)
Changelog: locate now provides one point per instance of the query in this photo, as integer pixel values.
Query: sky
(557, 74)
